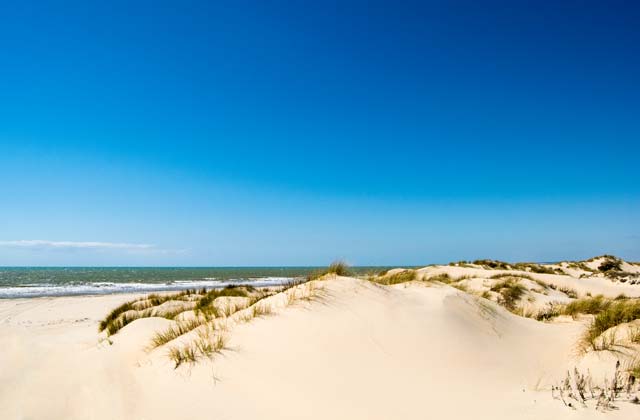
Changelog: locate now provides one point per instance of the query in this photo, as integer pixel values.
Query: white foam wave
(100, 288)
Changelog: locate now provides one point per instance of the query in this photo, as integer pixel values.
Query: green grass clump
(549, 312)
(204, 346)
(339, 268)
(182, 355)
(213, 294)
(607, 313)
(401, 277)
(117, 318)
(589, 305)
(175, 331)
(569, 292)
(442, 278)
(634, 369)
(610, 263)
(121, 322)
(535, 268)
(513, 275)
(114, 314)
(510, 291)
(616, 313)
(494, 264)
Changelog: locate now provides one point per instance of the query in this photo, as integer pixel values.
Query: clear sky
(293, 133)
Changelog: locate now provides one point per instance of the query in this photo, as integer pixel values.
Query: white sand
(361, 351)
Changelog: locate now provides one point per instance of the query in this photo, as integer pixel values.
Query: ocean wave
(101, 288)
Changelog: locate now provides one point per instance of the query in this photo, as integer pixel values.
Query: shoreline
(397, 350)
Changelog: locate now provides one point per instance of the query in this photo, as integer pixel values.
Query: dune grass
(209, 331)
(610, 263)
(442, 278)
(572, 293)
(618, 312)
(510, 293)
(551, 311)
(205, 346)
(534, 268)
(339, 268)
(211, 338)
(514, 275)
(607, 313)
(588, 305)
(119, 317)
(397, 278)
(175, 331)
(493, 264)
(114, 314)
(211, 295)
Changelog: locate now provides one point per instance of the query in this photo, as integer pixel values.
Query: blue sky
(291, 133)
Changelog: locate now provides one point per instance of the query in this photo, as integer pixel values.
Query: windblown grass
(607, 314)
(205, 346)
(589, 305)
(493, 264)
(119, 317)
(210, 296)
(551, 311)
(442, 278)
(397, 278)
(175, 331)
(339, 268)
(512, 275)
(535, 268)
(510, 292)
(618, 312)
(114, 314)
(572, 293)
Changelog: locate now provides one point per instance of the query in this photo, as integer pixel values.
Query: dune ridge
(454, 341)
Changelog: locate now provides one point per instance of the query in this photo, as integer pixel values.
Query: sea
(28, 282)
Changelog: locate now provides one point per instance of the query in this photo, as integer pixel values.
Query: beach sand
(358, 350)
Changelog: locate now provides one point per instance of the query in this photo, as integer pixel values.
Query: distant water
(65, 281)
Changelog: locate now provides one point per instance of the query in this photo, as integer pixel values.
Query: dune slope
(357, 351)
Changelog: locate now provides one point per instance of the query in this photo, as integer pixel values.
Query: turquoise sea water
(60, 281)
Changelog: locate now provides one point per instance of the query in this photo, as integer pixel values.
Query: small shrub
(549, 312)
(610, 263)
(510, 292)
(569, 292)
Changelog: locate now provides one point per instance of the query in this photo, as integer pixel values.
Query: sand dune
(355, 350)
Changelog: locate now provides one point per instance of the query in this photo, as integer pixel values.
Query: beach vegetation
(441, 278)
(493, 264)
(571, 293)
(510, 293)
(588, 305)
(396, 278)
(338, 268)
